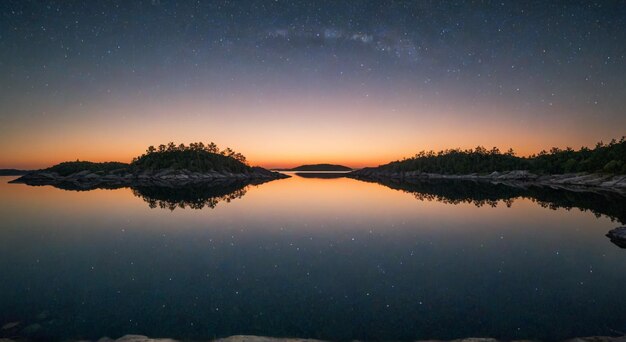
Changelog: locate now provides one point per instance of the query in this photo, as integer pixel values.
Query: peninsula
(600, 168)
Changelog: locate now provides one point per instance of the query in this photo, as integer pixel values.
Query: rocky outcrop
(618, 236)
(574, 181)
(251, 338)
(120, 178)
(598, 339)
(136, 338)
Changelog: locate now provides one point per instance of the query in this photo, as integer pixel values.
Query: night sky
(290, 82)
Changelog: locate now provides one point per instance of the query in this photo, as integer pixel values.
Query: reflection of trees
(484, 193)
(168, 196)
(194, 196)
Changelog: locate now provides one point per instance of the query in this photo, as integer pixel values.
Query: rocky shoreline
(573, 181)
(251, 338)
(166, 177)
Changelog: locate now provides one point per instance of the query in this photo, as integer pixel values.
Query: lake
(323, 257)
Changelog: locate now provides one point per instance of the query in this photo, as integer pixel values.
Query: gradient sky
(291, 82)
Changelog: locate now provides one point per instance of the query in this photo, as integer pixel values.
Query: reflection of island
(196, 196)
(326, 175)
(318, 167)
(190, 195)
(484, 193)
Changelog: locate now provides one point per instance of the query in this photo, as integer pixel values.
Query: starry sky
(289, 82)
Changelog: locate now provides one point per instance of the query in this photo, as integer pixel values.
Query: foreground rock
(118, 178)
(618, 236)
(250, 338)
(136, 338)
(574, 181)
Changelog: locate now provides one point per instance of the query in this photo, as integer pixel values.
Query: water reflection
(323, 175)
(196, 196)
(482, 193)
(190, 195)
(333, 259)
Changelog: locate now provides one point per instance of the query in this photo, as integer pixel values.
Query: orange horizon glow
(51, 155)
(284, 133)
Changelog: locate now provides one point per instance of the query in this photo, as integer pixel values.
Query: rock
(250, 338)
(85, 180)
(141, 338)
(80, 174)
(518, 178)
(518, 175)
(617, 181)
(598, 339)
(618, 236)
(10, 325)
(105, 339)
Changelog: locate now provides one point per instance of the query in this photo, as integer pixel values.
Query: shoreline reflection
(197, 196)
(482, 193)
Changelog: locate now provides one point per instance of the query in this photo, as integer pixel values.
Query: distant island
(13, 172)
(602, 167)
(319, 167)
(166, 165)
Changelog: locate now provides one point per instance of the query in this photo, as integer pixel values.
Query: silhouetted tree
(212, 148)
(195, 157)
(609, 158)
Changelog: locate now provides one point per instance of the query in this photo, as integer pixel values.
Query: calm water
(330, 258)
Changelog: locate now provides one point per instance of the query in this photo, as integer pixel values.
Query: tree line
(197, 147)
(603, 158)
(195, 157)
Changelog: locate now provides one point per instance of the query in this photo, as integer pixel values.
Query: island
(601, 168)
(168, 165)
(319, 167)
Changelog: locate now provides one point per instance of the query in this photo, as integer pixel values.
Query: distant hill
(13, 172)
(320, 167)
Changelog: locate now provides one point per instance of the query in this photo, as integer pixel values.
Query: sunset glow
(284, 91)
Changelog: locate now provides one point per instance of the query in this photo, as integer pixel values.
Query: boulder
(141, 338)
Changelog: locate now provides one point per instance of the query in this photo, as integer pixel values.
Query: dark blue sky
(432, 74)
